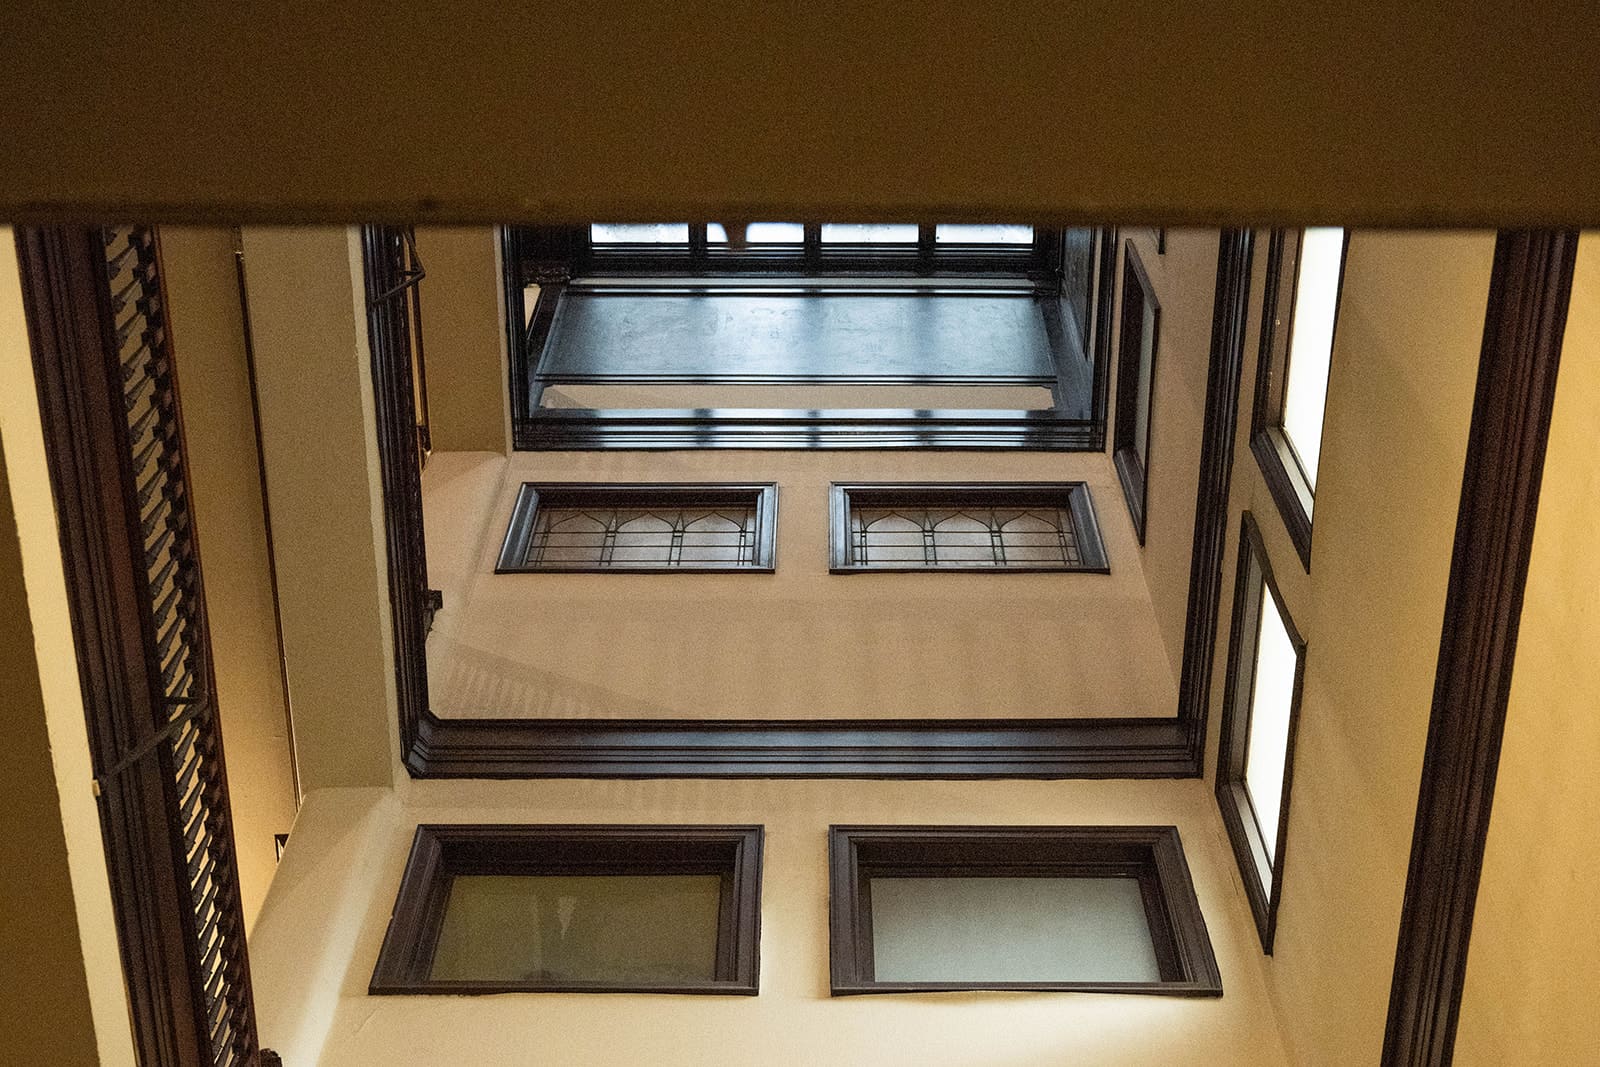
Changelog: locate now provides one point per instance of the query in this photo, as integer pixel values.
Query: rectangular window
(582, 528)
(1137, 344)
(505, 909)
(1305, 273)
(1261, 706)
(1023, 526)
(1099, 909)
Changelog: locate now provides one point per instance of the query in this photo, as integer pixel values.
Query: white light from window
(1268, 744)
(760, 233)
(1316, 300)
(640, 233)
(849, 233)
(961, 234)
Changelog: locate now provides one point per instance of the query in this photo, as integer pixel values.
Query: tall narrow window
(1136, 372)
(1305, 270)
(1266, 661)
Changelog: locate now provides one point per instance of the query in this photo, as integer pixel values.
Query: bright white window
(639, 233)
(870, 234)
(1316, 302)
(1268, 743)
(962, 234)
(760, 233)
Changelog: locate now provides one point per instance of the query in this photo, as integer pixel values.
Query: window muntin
(1138, 340)
(1103, 908)
(1316, 303)
(596, 527)
(1024, 526)
(1261, 705)
(495, 909)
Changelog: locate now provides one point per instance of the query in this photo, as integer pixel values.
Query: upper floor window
(1305, 270)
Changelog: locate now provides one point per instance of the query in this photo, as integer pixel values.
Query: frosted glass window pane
(642, 233)
(1268, 744)
(760, 233)
(1141, 407)
(636, 928)
(952, 233)
(880, 234)
(1316, 299)
(1011, 930)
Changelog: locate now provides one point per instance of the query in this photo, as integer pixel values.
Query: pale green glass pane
(642, 233)
(962, 234)
(1267, 747)
(580, 928)
(1011, 930)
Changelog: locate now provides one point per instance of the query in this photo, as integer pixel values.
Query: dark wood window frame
(439, 852)
(1280, 467)
(761, 499)
(1071, 496)
(1044, 747)
(1137, 295)
(1153, 854)
(1262, 876)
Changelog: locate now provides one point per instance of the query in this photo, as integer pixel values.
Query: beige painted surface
(59, 943)
(800, 643)
(381, 108)
(1185, 281)
(318, 939)
(463, 323)
(1531, 977)
(208, 339)
(313, 378)
(1399, 406)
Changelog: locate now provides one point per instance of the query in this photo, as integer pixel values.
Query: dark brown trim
(1262, 876)
(1229, 321)
(1137, 296)
(1072, 496)
(440, 852)
(1152, 854)
(1529, 290)
(760, 498)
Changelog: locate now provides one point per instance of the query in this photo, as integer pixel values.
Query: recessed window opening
(984, 527)
(593, 527)
(493, 909)
(1108, 909)
(1266, 662)
(1138, 346)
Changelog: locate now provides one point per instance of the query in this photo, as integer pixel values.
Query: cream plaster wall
(799, 643)
(58, 949)
(318, 938)
(313, 375)
(207, 325)
(1531, 976)
(463, 325)
(1185, 281)
(1399, 406)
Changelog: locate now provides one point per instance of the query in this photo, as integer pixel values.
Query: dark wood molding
(1285, 486)
(1151, 854)
(440, 852)
(1073, 497)
(760, 498)
(799, 748)
(1529, 291)
(1260, 871)
(1132, 456)
(137, 741)
(1229, 322)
